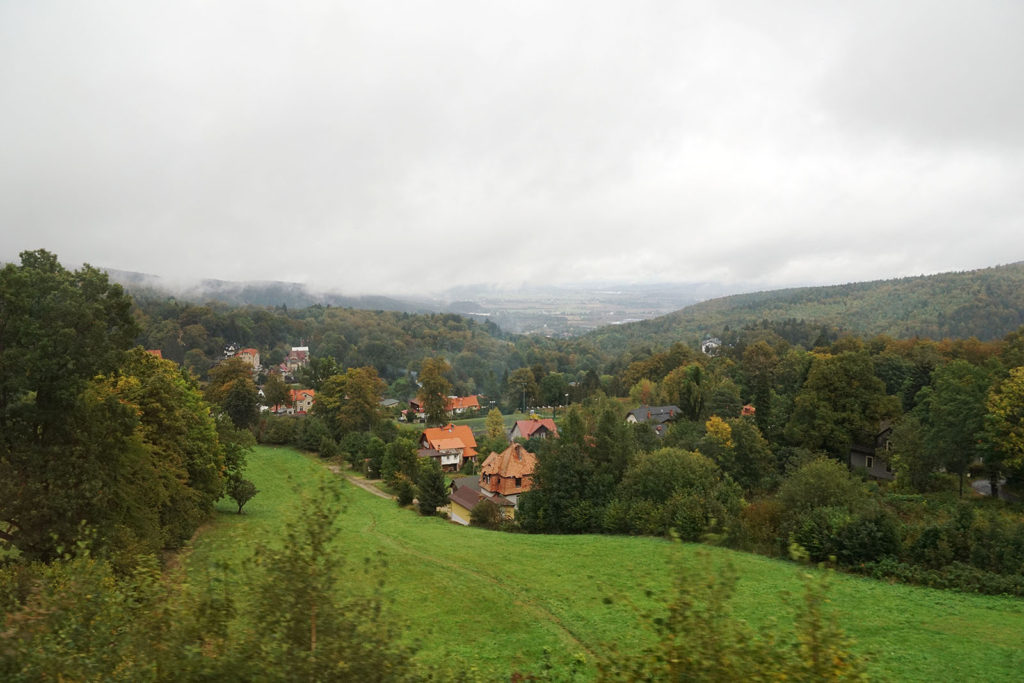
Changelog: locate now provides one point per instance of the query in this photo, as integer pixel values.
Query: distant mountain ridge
(987, 303)
(259, 293)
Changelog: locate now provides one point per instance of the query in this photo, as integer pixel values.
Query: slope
(986, 303)
(495, 602)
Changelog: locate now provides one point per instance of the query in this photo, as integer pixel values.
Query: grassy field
(496, 601)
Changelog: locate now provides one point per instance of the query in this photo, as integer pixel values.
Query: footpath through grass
(494, 602)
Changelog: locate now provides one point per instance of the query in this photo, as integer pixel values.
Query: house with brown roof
(451, 445)
(467, 494)
(527, 429)
(509, 473)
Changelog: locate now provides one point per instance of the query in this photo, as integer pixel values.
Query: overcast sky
(407, 146)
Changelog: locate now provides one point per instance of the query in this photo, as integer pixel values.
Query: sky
(405, 147)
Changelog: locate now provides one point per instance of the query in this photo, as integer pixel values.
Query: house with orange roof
(460, 404)
(541, 428)
(509, 473)
(451, 445)
(455, 405)
(301, 402)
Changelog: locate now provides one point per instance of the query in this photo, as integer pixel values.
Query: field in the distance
(494, 602)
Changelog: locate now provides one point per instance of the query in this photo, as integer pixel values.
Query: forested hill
(986, 304)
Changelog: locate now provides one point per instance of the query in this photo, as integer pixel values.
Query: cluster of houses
(297, 358)
(455, 405)
(503, 476)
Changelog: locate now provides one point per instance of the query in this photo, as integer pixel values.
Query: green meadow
(494, 602)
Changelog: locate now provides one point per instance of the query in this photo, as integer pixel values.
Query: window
(519, 481)
(869, 461)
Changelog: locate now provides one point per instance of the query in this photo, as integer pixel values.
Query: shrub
(404, 490)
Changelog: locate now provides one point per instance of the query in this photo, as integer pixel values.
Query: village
(495, 479)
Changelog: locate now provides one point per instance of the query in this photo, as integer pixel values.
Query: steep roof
(528, 427)
(514, 461)
(433, 436)
(299, 394)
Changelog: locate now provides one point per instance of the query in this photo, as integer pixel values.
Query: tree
(686, 387)
(912, 462)
(840, 402)
(1004, 428)
(485, 514)
(955, 409)
(241, 491)
(430, 487)
(495, 425)
(58, 331)
(232, 389)
(434, 390)
(759, 362)
(350, 402)
(496, 438)
(645, 392)
(181, 437)
(673, 489)
(275, 392)
(305, 631)
(521, 388)
(738, 448)
(822, 482)
(399, 460)
(317, 371)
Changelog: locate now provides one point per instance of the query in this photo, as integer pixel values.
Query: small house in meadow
(467, 494)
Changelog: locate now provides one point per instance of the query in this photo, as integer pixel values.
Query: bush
(697, 638)
(328, 448)
(817, 531)
(868, 538)
(278, 430)
(404, 490)
(485, 514)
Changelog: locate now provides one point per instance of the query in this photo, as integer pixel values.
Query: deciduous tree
(434, 390)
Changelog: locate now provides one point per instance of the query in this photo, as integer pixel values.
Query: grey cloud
(396, 147)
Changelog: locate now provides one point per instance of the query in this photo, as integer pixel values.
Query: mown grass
(494, 602)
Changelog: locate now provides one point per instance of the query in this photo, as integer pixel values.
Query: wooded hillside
(986, 304)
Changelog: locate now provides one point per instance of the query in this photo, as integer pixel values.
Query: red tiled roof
(156, 352)
(299, 394)
(528, 427)
(462, 402)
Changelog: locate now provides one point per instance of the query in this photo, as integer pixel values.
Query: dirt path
(361, 483)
